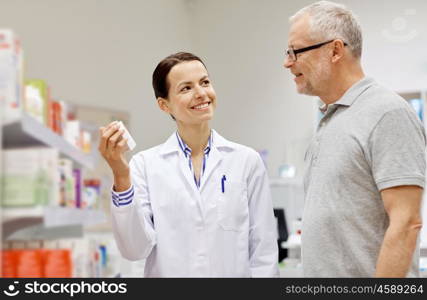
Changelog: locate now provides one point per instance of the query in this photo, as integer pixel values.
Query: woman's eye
(185, 88)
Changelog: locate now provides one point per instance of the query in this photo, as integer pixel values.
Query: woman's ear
(163, 104)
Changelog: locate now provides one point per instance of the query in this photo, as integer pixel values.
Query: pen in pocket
(223, 183)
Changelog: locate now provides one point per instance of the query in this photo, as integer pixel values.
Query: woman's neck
(195, 136)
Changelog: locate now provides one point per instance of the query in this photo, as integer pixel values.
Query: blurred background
(68, 67)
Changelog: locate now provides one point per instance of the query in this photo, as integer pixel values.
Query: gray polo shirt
(369, 140)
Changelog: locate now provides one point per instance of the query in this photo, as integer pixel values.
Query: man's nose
(288, 62)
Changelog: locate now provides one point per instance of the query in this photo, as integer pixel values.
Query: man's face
(312, 69)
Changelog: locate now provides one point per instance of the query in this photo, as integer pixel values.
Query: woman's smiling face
(191, 97)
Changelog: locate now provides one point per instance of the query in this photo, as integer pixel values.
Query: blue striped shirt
(187, 152)
(122, 198)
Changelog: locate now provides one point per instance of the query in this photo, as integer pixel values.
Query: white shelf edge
(6, 122)
(27, 131)
(55, 216)
(12, 213)
(50, 138)
(40, 232)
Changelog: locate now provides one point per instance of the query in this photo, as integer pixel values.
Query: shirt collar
(187, 150)
(217, 141)
(351, 94)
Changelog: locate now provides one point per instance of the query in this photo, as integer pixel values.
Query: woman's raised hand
(112, 147)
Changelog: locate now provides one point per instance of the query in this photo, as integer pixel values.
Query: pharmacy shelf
(55, 216)
(39, 232)
(47, 222)
(27, 131)
(12, 213)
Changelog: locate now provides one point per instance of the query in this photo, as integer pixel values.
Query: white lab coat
(184, 231)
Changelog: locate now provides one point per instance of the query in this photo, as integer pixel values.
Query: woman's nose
(200, 91)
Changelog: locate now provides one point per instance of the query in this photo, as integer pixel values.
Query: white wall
(395, 41)
(102, 52)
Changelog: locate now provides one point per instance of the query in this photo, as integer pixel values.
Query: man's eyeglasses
(292, 53)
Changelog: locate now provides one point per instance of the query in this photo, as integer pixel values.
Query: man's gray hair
(329, 20)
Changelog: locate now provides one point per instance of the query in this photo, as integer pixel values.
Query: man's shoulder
(383, 99)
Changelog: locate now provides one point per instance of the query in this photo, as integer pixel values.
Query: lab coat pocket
(232, 206)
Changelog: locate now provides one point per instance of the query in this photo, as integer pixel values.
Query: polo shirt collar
(351, 94)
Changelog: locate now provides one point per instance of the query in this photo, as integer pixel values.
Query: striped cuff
(122, 198)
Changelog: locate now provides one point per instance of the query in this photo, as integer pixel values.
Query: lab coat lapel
(188, 179)
(185, 172)
(188, 175)
(215, 157)
(171, 147)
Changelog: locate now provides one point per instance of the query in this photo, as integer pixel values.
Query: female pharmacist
(197, 205)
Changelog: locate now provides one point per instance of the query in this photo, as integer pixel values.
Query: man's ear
(163, 104)
(338, 50)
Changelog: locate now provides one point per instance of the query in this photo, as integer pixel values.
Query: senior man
(366, 163)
